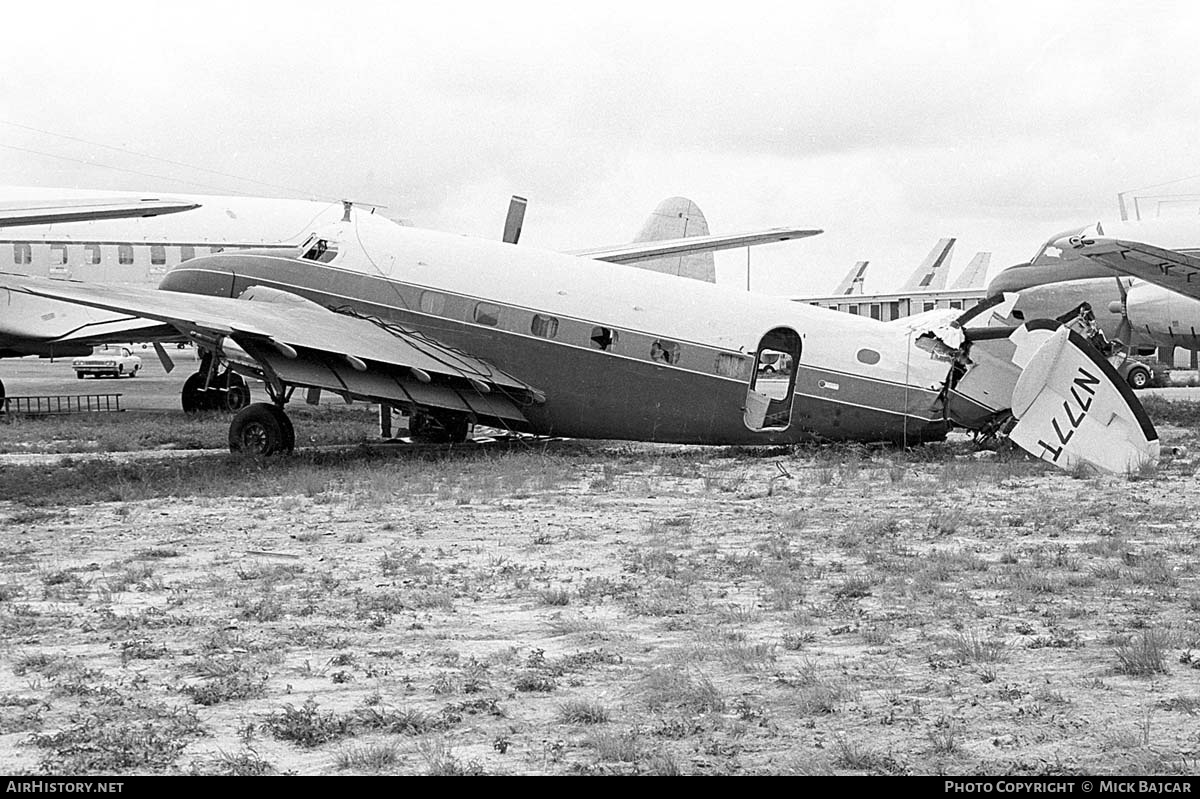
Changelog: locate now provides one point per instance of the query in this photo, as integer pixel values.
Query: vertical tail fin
(931, 274)
(677, 218)
(852, 283)
(975, 275)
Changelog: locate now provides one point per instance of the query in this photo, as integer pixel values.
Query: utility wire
(137, 154)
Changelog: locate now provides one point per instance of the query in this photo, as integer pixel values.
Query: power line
(126, 151)
(115, 168)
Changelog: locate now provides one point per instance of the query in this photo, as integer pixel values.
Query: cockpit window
(319, 249)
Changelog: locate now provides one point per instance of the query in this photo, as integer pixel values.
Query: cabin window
(664, 352)
(433, 303)
(956, 304)
(58, 254)
(852, 309)
(186, 253)
(215, 250)
(869, 357)
(929, 306)
(125, 254)
(731, 365)
(544, 326)
(603, 338)
(893, 311)
(22, 254)
(876, 310)
(487, 314)
(158, 254)
(91, 253)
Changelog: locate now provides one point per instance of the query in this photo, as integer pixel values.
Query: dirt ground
(602, 609)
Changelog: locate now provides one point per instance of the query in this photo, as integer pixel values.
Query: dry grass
(596, 610)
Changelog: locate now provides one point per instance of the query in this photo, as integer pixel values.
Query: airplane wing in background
(48, 212)
(1170, 269)
(283, 339)
(649, 250)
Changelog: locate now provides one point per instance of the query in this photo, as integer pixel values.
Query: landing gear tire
(236, 395)
(228, 393)
(193, 397)
(449, 429)
(261, 429)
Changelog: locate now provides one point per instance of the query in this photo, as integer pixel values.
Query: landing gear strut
(261, 429)
(227, 391)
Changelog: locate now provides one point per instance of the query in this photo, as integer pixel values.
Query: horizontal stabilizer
(1073, 409)
(648, 250)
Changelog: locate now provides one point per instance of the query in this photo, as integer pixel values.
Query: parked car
(108, 361)
(1144, 371)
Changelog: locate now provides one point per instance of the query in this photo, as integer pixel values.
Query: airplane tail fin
(931, 274)
(975, 275)
(677, 218)
(1074, 409)
(1071, 407)
(852, 283)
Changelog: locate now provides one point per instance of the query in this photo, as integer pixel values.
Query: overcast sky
(888, 125)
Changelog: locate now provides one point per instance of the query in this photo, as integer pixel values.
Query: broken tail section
(1072, 407)
(1053, 394)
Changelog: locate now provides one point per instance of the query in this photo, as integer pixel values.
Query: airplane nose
(1014, 278)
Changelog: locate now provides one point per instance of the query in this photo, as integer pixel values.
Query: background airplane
(1128, 306)
(105, 246)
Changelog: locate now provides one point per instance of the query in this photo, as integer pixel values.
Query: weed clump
(578, 711)
(1144, 654)
(306, 725)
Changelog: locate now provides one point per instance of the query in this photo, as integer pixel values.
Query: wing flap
(393, 386)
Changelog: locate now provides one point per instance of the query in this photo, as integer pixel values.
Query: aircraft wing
(1170, 269)
(287, 341)
(45, 212)
(650, 250)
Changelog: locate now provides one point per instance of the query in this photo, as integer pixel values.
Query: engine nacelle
(1167, 317)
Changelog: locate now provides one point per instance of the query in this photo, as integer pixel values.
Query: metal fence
(61, 403)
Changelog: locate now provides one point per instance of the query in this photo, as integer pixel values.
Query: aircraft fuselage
(620, 353)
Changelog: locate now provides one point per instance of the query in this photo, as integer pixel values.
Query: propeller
(516, 217)
(1121, 306)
